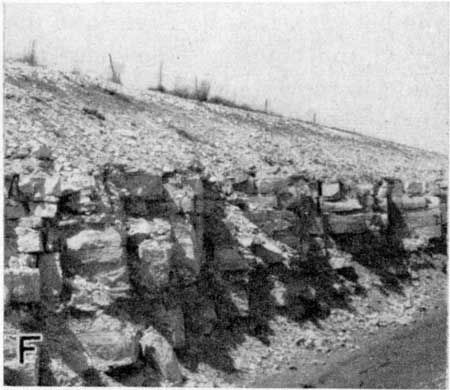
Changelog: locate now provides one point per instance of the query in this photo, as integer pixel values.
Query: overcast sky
(379, 68)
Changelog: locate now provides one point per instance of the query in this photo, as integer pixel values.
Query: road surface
(412, 356)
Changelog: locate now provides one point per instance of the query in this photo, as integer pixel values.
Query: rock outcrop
(125, 266)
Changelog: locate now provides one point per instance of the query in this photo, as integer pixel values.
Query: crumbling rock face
(120, 267)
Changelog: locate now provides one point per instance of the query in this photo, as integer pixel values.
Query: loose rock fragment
(156, 348)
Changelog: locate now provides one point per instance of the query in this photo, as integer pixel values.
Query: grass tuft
(115, 73)
(30, 58)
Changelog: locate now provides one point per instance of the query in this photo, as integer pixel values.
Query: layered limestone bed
(154, 241)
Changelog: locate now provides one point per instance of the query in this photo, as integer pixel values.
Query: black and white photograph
(225, 194)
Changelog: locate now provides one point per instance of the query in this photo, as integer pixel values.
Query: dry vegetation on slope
(88, 122)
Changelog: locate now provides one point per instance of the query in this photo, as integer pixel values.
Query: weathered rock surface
(110, 341)
(98, 257)
(156, 348)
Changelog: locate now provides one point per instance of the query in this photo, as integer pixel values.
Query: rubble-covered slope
(89, 122)
(154, 240)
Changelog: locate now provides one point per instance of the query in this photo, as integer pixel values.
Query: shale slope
(151, 239)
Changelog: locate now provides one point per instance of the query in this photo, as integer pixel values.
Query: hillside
(158, 241)
(161, 132)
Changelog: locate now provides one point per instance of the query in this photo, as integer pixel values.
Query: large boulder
(188, 253)
(155, 248)
(155, 263)
(98, 257)
(40, 187)
(140, 229)
(29, 240)
(157, 350)
(92, 296)
(110, 341)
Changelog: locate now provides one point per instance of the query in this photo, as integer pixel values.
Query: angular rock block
(98, 257)
(273, 221)
(247, 187)
(40, 187)
(188, 254)
(410, 203)
(185, 193)
(23, 284)
(349, 224)
(14, 210)
(155, 263)
(156, 349)
(338, 261)
(271, 184)
(51, 275)
(331, 191)
(22, 260)
(415, 219)
(29, 240)
(95, 250)
(429, 231)
(344, 206)
(110, 341)
(268, 251)
(415, 188)
(137, 184)
(260, 202)
(92, 296)
(426, 223)
(31, 222)
(77, 182)
(183, 199)
(44, 209)
(433, 202)
(62, 375)
(140, 229)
